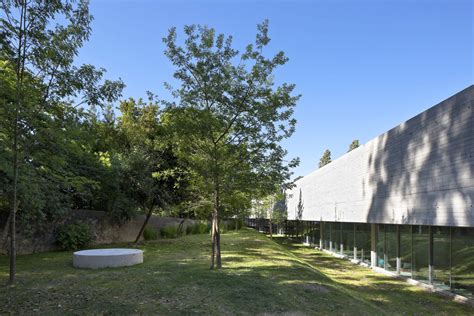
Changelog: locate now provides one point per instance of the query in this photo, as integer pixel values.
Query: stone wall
(420, 172)
(104, 231)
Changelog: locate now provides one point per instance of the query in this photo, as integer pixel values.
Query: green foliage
(74, 236)
(48, 142)
(228, 120)
(325, 159)
(152, 174)
(150, 233)
(353, 145)
(198, 228)
(170, 231)
(233, 224)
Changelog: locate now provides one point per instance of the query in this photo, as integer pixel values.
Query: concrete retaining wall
(104, 231)
(420, 172)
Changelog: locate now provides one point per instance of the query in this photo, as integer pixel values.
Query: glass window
(362, 241)
(380, 237)
(336, 237)
(348, 239)
(326, 234)
(462, 251)
(391, 247)
(441, 257)
(420, 253)
(315, 233)
(405, 250)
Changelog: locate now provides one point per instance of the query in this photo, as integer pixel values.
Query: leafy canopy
(230, 117)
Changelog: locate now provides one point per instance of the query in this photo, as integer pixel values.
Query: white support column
(355, 246)
(431, 258)
(399, 257)
(373, 245)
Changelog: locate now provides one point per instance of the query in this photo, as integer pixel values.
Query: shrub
(170, 231)
(150, 234)
(201, 228)
(198, 228)
(223, 227)
(230, 224)
(239, 223)
(74, 236)
(189, 229)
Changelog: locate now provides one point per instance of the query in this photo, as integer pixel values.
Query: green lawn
(259, 276)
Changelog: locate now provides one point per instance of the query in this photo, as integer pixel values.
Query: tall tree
(41, 53)
(230, 118)
(325, 159)
(353, 145)
(151, 174)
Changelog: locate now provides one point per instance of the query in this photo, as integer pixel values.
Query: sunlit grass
(259, 276)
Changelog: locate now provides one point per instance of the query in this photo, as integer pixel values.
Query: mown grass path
(260, 276)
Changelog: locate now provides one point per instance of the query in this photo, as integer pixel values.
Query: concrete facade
(418, 173)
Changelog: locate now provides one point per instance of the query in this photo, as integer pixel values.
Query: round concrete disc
(103, 258)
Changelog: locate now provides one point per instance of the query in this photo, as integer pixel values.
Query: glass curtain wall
(315, 234)
(462, 256)
(380, 238)
(405, 250)
(442, 257)
(391, 247)
(453, 250)
(420, 253)
(326, 234)
(348, 239)
(336, 237)
(362, 241)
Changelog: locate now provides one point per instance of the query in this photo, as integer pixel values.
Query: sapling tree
(229, 118)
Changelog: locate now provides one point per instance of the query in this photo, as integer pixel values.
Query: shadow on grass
(395, 296)
(259, 276)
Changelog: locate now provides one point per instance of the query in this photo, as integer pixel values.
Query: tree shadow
(422, 171)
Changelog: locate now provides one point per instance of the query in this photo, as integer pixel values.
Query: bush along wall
(102, 231)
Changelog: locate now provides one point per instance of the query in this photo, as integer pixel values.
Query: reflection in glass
(405, 250)
(420, 253)
(463, 260)
(391, 247)
(362, 241)
(380, 238)
(348, 239)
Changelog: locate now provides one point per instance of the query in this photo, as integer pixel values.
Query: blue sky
(362, 67)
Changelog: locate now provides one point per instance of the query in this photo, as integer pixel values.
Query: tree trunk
(19, 84)
(216, 238)
(148, 216)
(180, 227)
(6, 232)
(213, 243)
(12, 251)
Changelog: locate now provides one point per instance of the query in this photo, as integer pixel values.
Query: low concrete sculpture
(104, 258)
